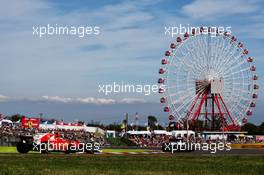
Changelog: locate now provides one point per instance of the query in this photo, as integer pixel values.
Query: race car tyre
(23, 147)
(44, 148)
(68, 151)
(89, 151)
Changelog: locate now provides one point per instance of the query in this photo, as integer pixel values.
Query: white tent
(110, 134)
(5, 121)
(139, 132)
(47, 126)
(160, 132)
(93, 129)
(70, 127)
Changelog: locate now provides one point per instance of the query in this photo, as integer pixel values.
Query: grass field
(125, 150)
(10, 149)
(57, 164)
(75, 164)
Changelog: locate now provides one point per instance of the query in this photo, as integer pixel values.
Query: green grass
(125, 150)
(8, 149)
(11, 149)
(74, 164)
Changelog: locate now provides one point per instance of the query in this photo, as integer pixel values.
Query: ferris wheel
(209, 79)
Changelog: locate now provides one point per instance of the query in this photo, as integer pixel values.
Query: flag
(123, 126)
(125, 122)
(30, 122)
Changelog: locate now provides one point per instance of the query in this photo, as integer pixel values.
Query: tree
(95, 124)
(15, 117)
(172, 126)
(261, 129)
(152, 120)
(114, 126)
(250, 128)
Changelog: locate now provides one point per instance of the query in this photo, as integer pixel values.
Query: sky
(59, 75)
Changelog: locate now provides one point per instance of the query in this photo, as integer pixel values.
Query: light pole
(187, 129)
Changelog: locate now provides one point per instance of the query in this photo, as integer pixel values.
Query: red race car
(54, 142)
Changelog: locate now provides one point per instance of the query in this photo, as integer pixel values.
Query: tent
(160, 132)
(139, 132)
(6, 121)
(110, 134)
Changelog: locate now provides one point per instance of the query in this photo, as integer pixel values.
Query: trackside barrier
(241, 146)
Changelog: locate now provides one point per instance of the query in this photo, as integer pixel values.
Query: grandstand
(11, 131)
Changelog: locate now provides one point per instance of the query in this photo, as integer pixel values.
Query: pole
(136, 121)
(223, 130)
(126, 122)
(213, 117)
(187, 130)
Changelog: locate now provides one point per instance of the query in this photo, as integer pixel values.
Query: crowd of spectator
(144, 140)
(155, 140)
(149, 140)
(241, 140)
(15, 131)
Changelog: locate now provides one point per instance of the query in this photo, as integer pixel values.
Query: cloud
(21, 10)
(3, 98)
(207, 9)
(127, 31)
(57, 99)
(92, 100)
(131, 32)
(254, 30)
(132, 100)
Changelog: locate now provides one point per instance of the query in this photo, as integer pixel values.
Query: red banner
(30, 122)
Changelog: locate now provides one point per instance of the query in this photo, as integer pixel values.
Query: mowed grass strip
(11, 149)
(8, 149)
(130, 165)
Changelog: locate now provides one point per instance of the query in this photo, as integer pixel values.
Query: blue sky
(128, 49)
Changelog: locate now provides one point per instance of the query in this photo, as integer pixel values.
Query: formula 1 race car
(54, 142)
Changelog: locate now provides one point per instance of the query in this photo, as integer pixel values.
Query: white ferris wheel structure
(208, 78)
